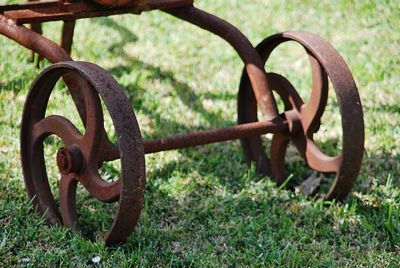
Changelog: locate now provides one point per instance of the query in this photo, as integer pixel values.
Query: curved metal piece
(101, 190)
(78, 160)
(67, 191)
(247, 112)
(58, 125)
(325, 62)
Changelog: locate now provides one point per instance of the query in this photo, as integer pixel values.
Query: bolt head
(69, 160)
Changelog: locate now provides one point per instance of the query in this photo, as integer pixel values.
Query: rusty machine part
(304, 118)
(82, 154)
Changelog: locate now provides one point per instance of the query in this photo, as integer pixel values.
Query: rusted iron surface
(39, 11)
(32, 40)
(213, 136)
(30, 5)
(36, 27)
(119, 2)
(67, 35)
(116, 2)
(79, 157)
(304, 117)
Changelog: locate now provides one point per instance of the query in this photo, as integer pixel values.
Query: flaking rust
(82, 155)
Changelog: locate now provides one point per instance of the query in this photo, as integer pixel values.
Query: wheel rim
(325, 62)
(82, 154)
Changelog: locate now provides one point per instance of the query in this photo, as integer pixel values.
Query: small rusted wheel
(81, 155)
(304, 117)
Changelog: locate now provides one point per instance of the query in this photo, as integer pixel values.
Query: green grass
(203, 207)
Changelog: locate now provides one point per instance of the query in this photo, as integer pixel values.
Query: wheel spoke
(321, 162)
(58, 125)
(316, 159)
(247, 112)
(85, 98)
(278, 151)
(98, 188)
(285, 90)
(109, 151)
(94, 124)
(67, 190)
(312, 110)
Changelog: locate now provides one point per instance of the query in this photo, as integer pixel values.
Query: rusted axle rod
(212, 136)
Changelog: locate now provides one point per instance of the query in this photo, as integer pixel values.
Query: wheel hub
(69, 160)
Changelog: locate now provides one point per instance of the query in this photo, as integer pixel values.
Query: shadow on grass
(183, 91)
(255, 223)
(238, 211)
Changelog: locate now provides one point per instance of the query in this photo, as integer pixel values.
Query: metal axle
(216, 135)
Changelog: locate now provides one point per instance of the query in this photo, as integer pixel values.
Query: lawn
(203, 206)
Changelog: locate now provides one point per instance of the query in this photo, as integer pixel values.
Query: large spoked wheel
(305, 117)
(81, 155)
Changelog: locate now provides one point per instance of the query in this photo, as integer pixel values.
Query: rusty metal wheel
(81, 155)
(304, 117)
